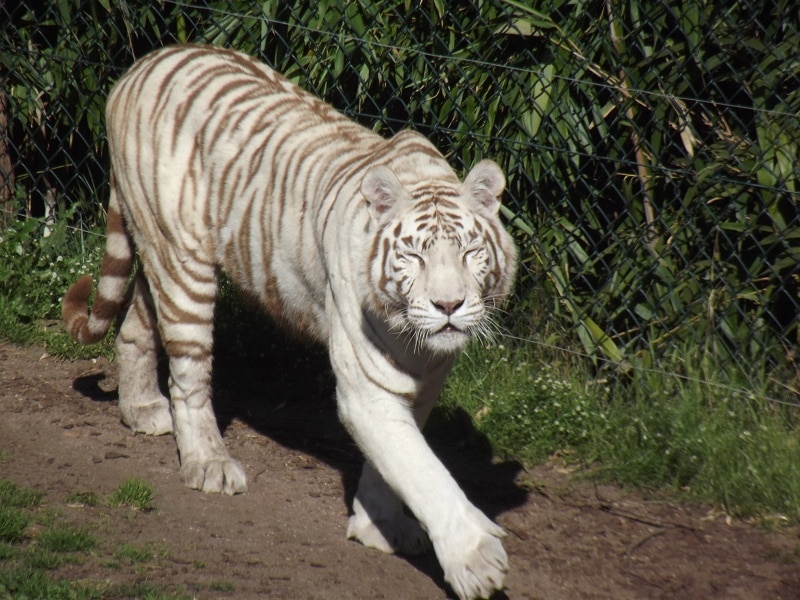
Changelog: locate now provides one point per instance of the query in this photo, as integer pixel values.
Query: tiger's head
(440, 260)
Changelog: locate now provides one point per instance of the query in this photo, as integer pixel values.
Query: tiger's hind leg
(183, 295)
(379, 519)
(143, 407)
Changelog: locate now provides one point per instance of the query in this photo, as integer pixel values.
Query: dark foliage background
(651, 148)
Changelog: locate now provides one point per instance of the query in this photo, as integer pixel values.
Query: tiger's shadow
(284, 390)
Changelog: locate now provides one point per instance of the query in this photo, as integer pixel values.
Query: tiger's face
(441, 260)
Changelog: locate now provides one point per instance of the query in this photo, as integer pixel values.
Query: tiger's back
(244, 168)
(216, 132)
(370, 245)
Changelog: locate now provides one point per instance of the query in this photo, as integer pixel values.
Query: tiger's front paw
(472, 557)
(215, 476)
(394, 533)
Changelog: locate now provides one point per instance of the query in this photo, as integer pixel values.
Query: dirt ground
(60, 433)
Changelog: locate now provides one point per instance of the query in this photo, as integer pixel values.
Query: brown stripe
(193, 350)
(117, 267)
(104, 309)
(178, 315)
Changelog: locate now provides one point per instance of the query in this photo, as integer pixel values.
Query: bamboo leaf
(601, 340)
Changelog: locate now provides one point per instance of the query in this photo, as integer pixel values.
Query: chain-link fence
(651, 148)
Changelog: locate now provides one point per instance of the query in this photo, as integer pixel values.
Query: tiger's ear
(383, 192)
(484, 184)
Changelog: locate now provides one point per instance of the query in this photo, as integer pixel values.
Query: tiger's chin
(447, 340)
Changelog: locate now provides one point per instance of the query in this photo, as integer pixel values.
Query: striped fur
(370, 245)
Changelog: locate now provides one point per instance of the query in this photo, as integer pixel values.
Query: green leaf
(602, 340)
(515, 221)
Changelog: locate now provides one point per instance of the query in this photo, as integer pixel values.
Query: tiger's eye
(413, 257)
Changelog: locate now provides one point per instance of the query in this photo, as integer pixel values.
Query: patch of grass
(14, 519)
(26, 557)
(690, 432)
(57, 545)
(48, 516)
(13, 496)
(66, 538)
(133, 493)
(36, 272)
(83, 499)
(143, 591)
(136, 558)
(8, 551)
(134, 554)
(705, 437)
(43, 560)
(29, 582)
(223, 587)
(522, 405)
(25, 562)
(13, 524)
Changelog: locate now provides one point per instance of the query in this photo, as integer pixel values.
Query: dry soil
(567, 538)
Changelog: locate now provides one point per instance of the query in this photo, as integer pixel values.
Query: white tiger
(370, 245)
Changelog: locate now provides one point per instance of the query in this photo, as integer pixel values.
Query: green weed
(133, 493)
(26, 558)
(66, 538)
(134, 554)
(35, 271)
(29, 582)
(521, 404)
(13, 496)
(83, 499)
(35, 557)
(13, 524)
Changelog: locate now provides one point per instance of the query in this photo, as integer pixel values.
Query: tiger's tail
(86, 327)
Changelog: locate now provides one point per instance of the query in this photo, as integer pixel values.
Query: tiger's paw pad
(401, 535)
(215, 476)
(151, 418)
(480, 572)
(476, 564)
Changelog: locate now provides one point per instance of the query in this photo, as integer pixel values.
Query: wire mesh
(651, 150)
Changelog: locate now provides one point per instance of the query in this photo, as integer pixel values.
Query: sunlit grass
(35, 542)
(651, 428)
(13, 524)
(35, 271)
(14, 496)
(66, 538)
(133, 493)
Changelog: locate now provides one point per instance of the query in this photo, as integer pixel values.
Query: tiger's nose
(447, 307)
